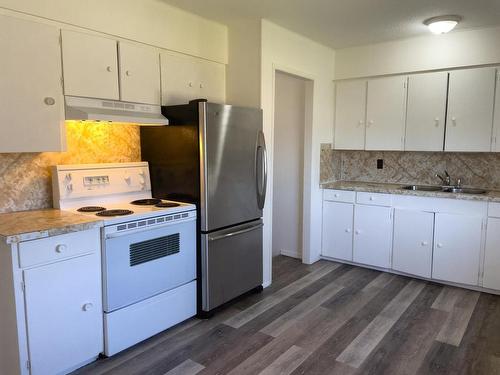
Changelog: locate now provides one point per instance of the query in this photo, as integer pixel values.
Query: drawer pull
(372, 198)
(61, 248)
(88, 306)
(336, 195)
(348, 230)
(358, 232)
(440, 245)
(424, 243)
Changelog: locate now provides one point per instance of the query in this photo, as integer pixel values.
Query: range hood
(83, 109)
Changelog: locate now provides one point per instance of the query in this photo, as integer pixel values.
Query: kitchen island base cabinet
(337, 230)
(413, 236)
(457, 248)
(491, 277)
(373, 235)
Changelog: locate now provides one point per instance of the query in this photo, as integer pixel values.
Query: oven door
(141, 264)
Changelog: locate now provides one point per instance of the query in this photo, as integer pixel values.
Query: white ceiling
(346, 23)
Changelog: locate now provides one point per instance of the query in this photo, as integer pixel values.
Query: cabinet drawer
(339, 195)
(59, 247)
(494, 210)
(374, 199)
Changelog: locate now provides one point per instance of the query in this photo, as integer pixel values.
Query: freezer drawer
(231, 263)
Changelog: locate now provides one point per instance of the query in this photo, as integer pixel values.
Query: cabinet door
(337, 230)
(426, 111)
(373, 235)
(385, 113)
(496, 116)
(212, 81)
(64, 314)
(413, 236)
(457, 246)
(139, 74)
(491, 277)
(180, 79)
(31, 98)
(90, 65)
(470, 110)
(350, 108)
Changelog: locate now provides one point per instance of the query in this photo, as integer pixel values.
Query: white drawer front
(494, 210)
(58, 247)
(374, 199)
(339, 195)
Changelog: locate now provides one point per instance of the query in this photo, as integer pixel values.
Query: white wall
(288, 164)
(243, 69)
(287, 51)
(148, 21)
(456, 49)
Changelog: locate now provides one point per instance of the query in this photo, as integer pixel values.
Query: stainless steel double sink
(445, 189)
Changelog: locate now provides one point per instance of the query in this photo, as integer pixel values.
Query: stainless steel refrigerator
(214, 155)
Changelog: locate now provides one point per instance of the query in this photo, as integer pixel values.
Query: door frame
(307, 169)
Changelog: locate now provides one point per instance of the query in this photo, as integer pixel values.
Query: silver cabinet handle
(222, 236)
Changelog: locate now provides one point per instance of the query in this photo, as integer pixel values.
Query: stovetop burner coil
(91, 209)
(114, 213)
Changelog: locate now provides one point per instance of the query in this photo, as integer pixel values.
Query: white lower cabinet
(51, 311)
(337, 230)
(373, 235)
(63, 314)
(432, 238)
(457, 248)
(413, 236)
(491, 277)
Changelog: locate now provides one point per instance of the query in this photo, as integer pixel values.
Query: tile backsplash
(475, 169)
(25, 178)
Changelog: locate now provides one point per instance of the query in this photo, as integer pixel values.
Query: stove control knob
(127, 179)
(69, 188)
(142, 182)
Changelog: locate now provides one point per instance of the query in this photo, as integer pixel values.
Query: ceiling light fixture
(442, 24)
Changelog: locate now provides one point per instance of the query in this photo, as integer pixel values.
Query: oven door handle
(144, 229)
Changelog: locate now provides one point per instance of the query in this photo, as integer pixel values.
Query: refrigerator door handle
(222, 236)
(261, 175)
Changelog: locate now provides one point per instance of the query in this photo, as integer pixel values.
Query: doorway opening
(291, 112)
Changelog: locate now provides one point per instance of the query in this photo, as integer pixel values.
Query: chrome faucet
(446, 181)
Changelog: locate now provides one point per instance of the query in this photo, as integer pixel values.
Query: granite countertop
(373, 187)
(30, 225)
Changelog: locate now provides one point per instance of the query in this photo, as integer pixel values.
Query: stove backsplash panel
(25, 178)
(475, 169)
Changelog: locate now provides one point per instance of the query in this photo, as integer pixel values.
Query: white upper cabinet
(350, 112)
(470, 110)
(139, 73)
(185, 78)
(90, 66)
(212, 81)
(496, 119)
(31, 97)
(385, 113)
(457, 248)
(426, 111)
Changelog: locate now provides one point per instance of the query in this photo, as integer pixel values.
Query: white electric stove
(148, 248)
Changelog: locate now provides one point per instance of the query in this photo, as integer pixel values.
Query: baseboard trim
(292, 254)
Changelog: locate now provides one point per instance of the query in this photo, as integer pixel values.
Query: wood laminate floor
(329, 318)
